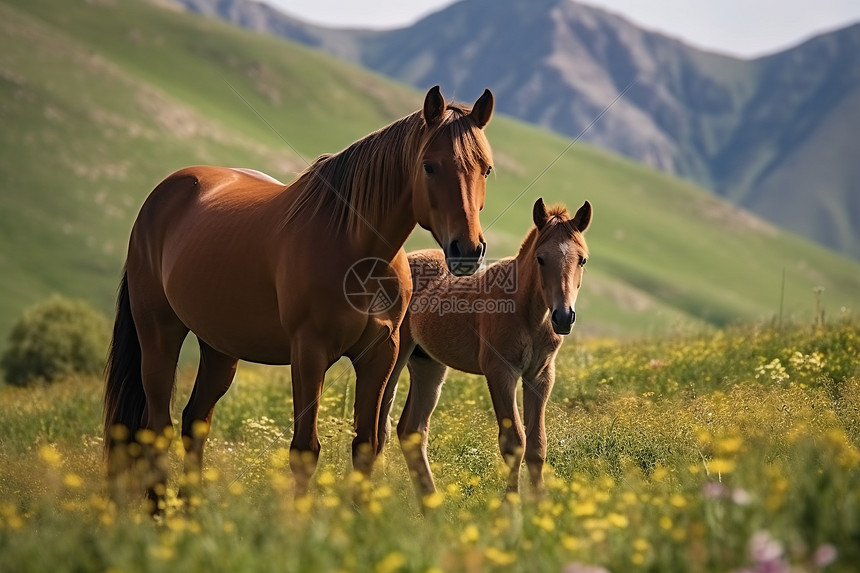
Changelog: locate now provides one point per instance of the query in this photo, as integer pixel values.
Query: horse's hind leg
(214, 376)
(426, 377)
(161, 335)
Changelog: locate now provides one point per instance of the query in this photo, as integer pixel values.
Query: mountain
(101, 100)
(774, 134)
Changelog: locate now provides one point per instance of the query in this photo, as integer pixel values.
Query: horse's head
(455, 161)
(560, 254)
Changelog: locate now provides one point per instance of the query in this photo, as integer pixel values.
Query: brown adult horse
(258, 270)
(505, 322)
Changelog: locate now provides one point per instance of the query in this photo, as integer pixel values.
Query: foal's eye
(428, 169)
(540, 260)
(489, 170)
(582, 261)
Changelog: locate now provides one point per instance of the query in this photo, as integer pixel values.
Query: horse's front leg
(502, 381)
(535, 395)
(407, 346)
(373, 366)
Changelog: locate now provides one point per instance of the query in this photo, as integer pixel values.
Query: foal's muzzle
(462, 261)
(562, 320)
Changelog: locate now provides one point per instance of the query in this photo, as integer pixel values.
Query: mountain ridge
(740, 127)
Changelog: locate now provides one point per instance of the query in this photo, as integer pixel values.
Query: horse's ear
(482, 111)
(434, 106)
(539, 214)
(583, 217)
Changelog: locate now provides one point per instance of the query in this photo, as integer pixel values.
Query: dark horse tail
(125, 399)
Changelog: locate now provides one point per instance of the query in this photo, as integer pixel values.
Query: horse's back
(428, 267)
(205, 188)
(203, 243)
(257, 175)
(201, 209)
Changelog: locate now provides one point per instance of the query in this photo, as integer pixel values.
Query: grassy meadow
(737, 450)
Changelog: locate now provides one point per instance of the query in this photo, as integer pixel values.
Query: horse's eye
(540, 260)
(489, 170)
(428, 169)
(582, 261)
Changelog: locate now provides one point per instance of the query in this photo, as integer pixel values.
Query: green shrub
(56, 338)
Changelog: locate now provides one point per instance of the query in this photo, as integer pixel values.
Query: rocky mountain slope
(774, 134)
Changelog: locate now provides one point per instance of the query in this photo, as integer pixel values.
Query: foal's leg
(214, 376)
(502, 381)
(535, 395)
(426, 377)
(161, 335)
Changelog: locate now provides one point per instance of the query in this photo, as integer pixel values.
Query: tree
(56, 338)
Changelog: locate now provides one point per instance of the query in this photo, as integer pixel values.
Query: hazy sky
(740, 27)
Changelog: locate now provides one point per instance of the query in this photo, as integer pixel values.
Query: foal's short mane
(559, 220)
(360, 184)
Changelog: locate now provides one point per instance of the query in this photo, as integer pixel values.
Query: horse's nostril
(454, 250)
(572, 316)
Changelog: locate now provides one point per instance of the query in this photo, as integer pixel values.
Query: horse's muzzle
(464, 262)
(562, 321)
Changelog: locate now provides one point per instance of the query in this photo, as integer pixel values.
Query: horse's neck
(386, 232)
(529, 296)
(387, 237)
(380, 236)
(362, 196)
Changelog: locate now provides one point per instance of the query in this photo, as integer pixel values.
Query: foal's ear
(583, 217)
(482, 111)
(434, 106)
(539, 214)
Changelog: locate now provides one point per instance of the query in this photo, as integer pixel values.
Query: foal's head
(449, 192)
(560, 253)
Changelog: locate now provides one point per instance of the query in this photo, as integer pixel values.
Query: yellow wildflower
(433, 500)
(721, 466)
(470, 534)
(391, 562)
(51, 456)
(499, 557)
(728, 446)
(583, 509)
(678, 500)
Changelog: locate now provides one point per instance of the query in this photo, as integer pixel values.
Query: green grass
(101, 100)
(679, 453)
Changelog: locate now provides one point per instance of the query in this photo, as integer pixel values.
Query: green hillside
(100, 100)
